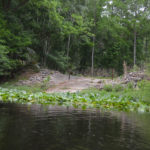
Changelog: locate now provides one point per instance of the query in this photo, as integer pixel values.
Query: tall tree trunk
(93, 51)
(135, 33)
(68, 48)
(135, 37)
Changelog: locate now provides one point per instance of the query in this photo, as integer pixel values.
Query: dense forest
(79, 34)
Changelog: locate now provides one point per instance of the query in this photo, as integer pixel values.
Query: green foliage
(130, 85)
(108, 88)
(144, 92)
(118, 88)
(57, 61)
(135, 69)
(86, 100)
(147, 68)
(44, 26)
(142, 84)
(6, 63)
(111, 88)
(13, 45)
(45, 84)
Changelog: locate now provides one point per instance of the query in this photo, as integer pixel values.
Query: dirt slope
(74, 85)
(60, 83)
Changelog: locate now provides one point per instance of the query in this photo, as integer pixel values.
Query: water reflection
(40, 127)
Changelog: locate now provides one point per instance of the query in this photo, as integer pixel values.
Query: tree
(86, 34)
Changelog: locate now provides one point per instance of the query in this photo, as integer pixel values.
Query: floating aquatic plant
(83, 100)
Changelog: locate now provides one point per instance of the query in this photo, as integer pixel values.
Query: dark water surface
(40, 127)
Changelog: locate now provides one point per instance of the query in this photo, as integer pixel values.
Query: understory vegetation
(124, 99)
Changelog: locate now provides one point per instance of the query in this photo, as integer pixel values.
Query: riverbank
(130, 93)
(120, 99)
(51, 81)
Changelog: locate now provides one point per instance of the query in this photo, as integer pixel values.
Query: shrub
(141, 84)
(45, 82)
(118, 88)
(130, 85)
(108, 88)
(135, 69)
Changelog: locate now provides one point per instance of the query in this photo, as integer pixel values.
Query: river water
(39, 127)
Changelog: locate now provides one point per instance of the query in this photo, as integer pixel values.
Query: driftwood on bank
(133, 77)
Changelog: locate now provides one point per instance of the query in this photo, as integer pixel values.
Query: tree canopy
(83, 33)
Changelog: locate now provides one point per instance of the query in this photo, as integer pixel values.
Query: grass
(38, 87)
(33, 88)
(141, 92)
(29, 88)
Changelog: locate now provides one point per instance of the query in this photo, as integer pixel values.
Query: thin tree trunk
(135, 34)
(125, 69)
(135, 37)
(93, 51)
(68, 48)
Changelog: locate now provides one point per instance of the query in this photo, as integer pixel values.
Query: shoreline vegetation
(104, 38)
(112, 98)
